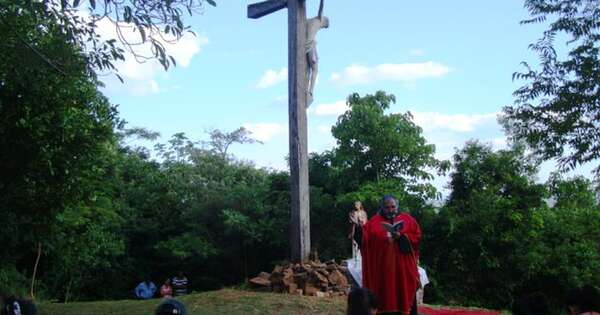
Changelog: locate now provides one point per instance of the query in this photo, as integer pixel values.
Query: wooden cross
(297, 97)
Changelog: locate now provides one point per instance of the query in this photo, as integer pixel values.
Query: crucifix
(302, 73)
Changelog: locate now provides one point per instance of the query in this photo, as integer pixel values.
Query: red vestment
(390, 274)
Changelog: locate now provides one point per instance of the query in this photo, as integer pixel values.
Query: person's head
(589, 299)
(180, 274)
(361, 301)
(358, 205)
(388, 207)
(171, 307)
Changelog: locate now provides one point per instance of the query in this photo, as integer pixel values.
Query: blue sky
(449, 62)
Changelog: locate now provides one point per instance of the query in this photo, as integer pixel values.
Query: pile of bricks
(311, 278)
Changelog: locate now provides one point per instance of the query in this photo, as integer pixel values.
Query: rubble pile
(311, 278)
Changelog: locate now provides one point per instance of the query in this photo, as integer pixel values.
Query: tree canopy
(558, 109)
(151, 24)
(373, 145)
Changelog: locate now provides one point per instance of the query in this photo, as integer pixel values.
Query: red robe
(391, 275)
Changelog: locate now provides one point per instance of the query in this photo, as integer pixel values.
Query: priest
(390, 250)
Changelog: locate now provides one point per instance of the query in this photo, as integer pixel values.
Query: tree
(221, 141)
(373, 145)
(479, 246)
(557, 111)
(57, 146)
(565, 253)
(157, 23)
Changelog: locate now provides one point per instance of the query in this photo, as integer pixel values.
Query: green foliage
(57, 150)
(556, 111)
(12, 281)
(156, 22)
(565, 252)
(221, 141)
(487, 218)
(499, 236)
(373, 146)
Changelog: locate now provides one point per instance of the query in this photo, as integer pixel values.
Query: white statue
(312, 27)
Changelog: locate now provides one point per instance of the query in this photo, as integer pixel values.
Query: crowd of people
(171, 287)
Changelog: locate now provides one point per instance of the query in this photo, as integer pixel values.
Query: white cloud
(416, 52)
(140, 77)
(272, 77)
(264, 131)
(330, 109)
(430, 121)
(399, 72)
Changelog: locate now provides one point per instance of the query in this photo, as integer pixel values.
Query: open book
(392, 228)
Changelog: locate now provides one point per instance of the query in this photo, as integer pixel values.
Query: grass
(225, 301)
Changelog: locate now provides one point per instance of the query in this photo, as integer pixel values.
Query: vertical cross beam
(297, 80)
(297, 98)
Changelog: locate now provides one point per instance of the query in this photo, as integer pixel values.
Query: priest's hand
(397, 235)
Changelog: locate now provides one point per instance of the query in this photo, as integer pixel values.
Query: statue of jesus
(313, 25)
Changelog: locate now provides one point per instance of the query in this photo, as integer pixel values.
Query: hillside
(225, 301)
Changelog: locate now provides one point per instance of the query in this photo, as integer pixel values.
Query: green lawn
(226, 301)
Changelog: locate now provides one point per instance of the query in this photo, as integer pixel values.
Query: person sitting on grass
(145, 290)
(361, 302)
(166, 290)
(180, 284)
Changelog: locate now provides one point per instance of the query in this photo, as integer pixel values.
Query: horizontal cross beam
(260, 9)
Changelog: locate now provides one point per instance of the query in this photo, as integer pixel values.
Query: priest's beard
(388, 215)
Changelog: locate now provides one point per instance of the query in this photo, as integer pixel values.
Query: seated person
(180, 284)
(166, 290)
(145, 290)
(171, 307)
